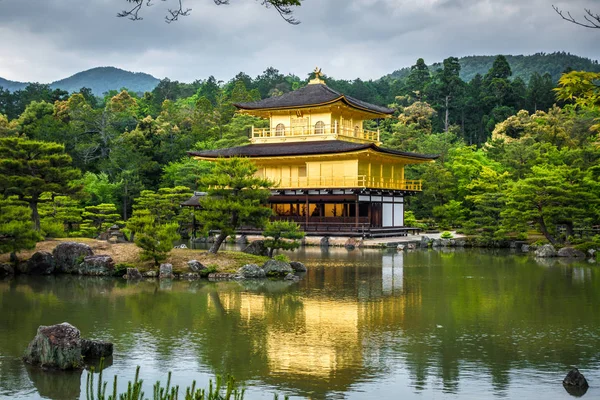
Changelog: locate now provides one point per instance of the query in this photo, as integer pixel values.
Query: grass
(224, 261)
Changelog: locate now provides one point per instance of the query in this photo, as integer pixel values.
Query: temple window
(320, 128)
(280, 130)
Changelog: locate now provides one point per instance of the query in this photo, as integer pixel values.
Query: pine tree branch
(283, 7)
(593, 19)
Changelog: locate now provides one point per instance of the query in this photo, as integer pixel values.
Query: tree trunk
(446, 120)
(545, 232)
(35, 216)
(271, 249)
(217, 244)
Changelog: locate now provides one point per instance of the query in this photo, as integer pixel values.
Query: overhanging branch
(593, 20)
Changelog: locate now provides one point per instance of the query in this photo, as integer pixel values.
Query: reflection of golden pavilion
(330, 173)
(324, 335)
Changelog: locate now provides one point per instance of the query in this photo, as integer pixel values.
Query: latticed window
(320, 128)
(356, 131)
(280, 130)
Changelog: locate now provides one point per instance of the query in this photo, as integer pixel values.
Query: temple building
(330, 174)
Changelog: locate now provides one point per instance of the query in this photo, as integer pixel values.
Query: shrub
(282, 235)
(281, 257)
(52, 228)
(447, 235)
(155, 240)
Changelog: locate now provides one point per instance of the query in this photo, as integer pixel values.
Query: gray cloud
(52, 39)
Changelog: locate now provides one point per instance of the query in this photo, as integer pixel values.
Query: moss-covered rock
(55, 347)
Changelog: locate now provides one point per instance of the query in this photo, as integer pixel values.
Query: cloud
(49, 40)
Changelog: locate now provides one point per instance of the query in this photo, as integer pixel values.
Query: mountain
(522, 66)
(12, 85)
(103, 79)
(100, 80)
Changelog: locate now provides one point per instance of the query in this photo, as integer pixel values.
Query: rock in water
(298, 266)
(277, 268)
(575, 383)
(55, 347)
(570, 252)
(40, 263)
(96, 348)
(97, 266)
(257, 248)
(251, 271)
(166, 271)
(546, 250)
(292, 277)
(324, 241)
(69, 255)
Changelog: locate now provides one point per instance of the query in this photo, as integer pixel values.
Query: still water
(361, 324)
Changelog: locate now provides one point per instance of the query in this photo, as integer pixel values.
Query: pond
(361, 324)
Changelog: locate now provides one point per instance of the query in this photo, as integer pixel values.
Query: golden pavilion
(330, 173)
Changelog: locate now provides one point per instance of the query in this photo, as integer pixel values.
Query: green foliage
(235, 198)
(121, 268)
(16, 227)
(98, 189)
(446, 235)
(154, 238)
(282, 258)
(282, 235)
(30, 168)
(59, 215)
(97, 219)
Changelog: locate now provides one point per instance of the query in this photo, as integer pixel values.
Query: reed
(217, 390)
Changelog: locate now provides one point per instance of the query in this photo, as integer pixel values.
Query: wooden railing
(349, 182)
(315, 131)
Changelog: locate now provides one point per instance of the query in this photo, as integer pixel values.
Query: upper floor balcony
(319, 131)
(349, 182)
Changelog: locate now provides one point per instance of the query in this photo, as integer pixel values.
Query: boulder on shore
(297, 266)
(277, 268)
(166, 271)
(196, 266)
(55, 347)
(6, 270)
(101, 265)
(251, 271)
(292, 277)
(257, 248)
(133, 274)
(546, 250)
(68, 256)
(570, 252)
(40, 263)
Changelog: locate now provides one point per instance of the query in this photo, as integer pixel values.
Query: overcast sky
(47, 40)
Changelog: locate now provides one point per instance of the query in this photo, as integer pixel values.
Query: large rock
(257, 248)
(40, 263)
(575, 383)
(546, 250)
(55, 347)
(525, 248)
(196, 266)
(251, 271)
(351, 244)
(324, 241)
(424, 242)
(166, 271)
(69, 255)
(101, 265)
(570, 252)
(96, 348)
(298, 266)
(292, 277)
(133, 274)
(6, 270)
(277, 268)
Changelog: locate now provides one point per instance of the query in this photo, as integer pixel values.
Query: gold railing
(310, 131)
(349, 182)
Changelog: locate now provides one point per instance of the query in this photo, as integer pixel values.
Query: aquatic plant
(219, 390)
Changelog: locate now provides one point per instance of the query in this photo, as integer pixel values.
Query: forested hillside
(522, 66)
(12, 85)
(103, 79)
(513, 155)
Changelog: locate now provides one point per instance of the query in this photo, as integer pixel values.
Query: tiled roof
(302, 148)
(311, 95)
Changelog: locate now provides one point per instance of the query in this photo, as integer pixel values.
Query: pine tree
(29, 168)
(235, 198)
(282, 235)
(16, 227)
(97, 219)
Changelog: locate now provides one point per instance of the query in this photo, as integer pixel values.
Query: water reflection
(390, 324)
